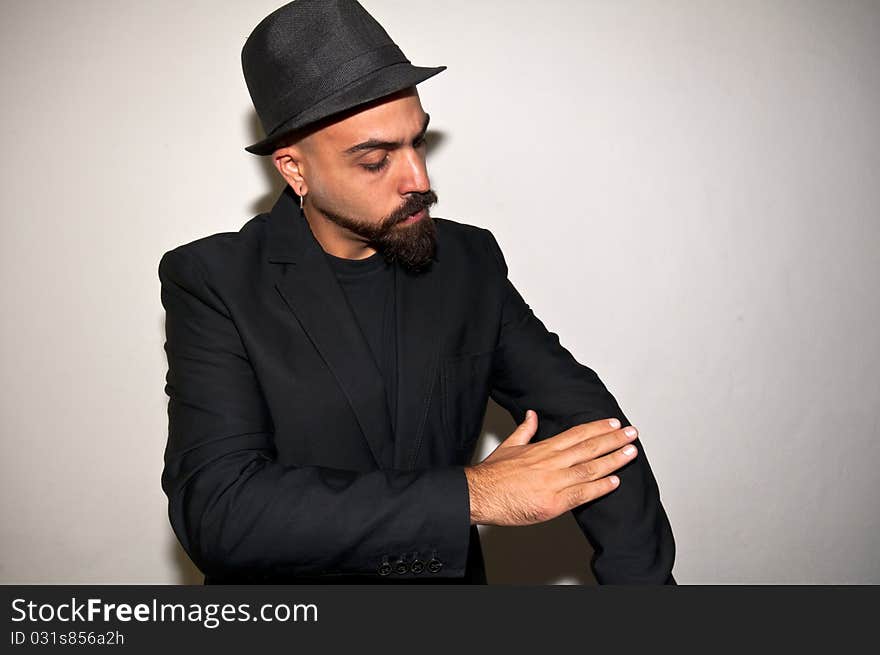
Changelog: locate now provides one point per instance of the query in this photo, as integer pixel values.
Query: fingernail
(630, 431)
(614, 479)
(614, 423)
(629, 450)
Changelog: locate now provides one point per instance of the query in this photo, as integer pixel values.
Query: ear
(289, 162)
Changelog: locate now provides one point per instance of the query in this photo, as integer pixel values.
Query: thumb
(524, 431)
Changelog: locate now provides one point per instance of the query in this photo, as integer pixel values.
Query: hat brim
(377, 84)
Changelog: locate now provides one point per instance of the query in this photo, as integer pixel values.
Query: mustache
(414, 204)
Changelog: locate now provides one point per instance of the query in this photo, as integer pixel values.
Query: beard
(412, 245)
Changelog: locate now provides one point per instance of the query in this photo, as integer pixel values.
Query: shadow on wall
(555, 552)
(275, 183)
(187, 572)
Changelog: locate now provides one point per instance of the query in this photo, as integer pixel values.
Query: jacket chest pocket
(464, 386)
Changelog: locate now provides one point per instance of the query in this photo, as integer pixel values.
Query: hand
(521, 483)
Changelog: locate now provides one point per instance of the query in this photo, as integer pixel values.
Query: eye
(378, 166)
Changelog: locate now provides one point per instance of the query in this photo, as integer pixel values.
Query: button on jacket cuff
(443, 549)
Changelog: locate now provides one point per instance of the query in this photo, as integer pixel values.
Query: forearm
(628, 529)
(244, 514)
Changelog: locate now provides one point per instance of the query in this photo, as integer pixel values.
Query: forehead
(394, 118)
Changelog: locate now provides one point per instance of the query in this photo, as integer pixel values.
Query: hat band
(333, 81)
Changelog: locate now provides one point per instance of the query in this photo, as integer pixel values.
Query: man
(330, 363)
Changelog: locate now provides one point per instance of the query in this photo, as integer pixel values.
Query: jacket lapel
(419, 303)
(311, 291)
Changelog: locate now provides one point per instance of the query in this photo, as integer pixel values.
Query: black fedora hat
(311, 59)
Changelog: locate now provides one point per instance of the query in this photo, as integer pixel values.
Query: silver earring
(301, 201)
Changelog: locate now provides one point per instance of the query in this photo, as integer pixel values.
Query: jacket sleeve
(627, 528)
(236, 510)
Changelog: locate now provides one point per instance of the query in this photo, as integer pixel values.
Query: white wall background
(708, 171)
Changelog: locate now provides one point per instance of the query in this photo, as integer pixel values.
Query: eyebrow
(373, 144)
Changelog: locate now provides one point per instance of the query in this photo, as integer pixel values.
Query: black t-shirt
(369, 288)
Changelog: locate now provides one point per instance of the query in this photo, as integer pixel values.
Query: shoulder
(474, 242)
(458, 231)
(225, 249)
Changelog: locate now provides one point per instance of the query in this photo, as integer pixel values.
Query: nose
(414, 176)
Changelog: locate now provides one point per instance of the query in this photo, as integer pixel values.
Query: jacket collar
(286, 230)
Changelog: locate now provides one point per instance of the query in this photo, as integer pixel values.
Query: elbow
(202, 513)
(187, 517)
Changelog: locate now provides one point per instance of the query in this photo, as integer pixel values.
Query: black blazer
(281, 465)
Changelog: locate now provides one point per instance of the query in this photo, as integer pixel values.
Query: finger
(578, 433)
(579, 494)
(591, 448)
(599, 467)
(524, 431)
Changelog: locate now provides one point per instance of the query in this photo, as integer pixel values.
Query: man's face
(366, 174)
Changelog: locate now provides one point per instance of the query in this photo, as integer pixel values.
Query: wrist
(475, 493)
